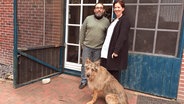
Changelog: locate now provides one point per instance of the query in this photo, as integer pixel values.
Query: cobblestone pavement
(62, 89)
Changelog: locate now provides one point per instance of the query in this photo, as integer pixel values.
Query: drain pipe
(15, 50)
(44, 25)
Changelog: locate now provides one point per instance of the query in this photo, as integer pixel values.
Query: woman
(114, 54)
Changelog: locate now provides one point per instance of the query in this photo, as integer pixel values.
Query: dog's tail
(123, 98)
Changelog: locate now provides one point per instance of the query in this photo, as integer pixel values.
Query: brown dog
(101, 82)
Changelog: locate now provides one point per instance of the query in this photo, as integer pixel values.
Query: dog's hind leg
(95, 96)
(111, 99)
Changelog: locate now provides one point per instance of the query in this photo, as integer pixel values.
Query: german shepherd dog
(102, 83)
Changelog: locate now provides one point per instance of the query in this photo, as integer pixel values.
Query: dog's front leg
(95, 96)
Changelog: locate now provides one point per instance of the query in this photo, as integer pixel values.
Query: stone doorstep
(135, 93)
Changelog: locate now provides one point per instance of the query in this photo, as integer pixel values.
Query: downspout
(15, 52)
(62, 48)
(44, 25)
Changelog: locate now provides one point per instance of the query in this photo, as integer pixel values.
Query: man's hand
(114, 55)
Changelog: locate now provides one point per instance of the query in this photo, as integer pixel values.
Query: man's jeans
(93, 55)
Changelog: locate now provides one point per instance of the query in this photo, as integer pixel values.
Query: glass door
(76, 12)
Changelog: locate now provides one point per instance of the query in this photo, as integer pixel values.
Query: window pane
(89, 1)
(131, 12)
(144, 41)
(73, 34)
(131, 38)
(72, 54)
(74, 15)
(148, 1)
(130, 1)
(147, 16)
(166, 43)
(74, 1)
(171, 1)
(108, 12)
(169, 18)
(105, 1)
(87, 10)
(80, 56)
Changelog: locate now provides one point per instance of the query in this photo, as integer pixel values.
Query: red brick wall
(39, 27)
(6, 32)
(33, 29)
(181, 83)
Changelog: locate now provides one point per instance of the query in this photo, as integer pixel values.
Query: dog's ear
(97, 63)
(88, 61)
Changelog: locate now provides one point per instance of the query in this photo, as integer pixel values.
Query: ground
(63, 89)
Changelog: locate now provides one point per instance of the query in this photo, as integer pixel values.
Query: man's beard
(98, 16)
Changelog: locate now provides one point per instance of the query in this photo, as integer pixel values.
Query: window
(155, 25)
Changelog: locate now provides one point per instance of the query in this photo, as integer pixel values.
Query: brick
(181, 97)
(6, 31)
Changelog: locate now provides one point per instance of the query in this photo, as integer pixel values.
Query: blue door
(156, 46)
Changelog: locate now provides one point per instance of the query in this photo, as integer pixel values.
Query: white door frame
(72, 65)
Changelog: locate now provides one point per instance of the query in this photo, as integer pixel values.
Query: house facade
(47, 32)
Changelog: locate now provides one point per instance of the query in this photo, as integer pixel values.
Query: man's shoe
(82, 85)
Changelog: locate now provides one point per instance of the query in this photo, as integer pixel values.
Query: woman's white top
(105, 47)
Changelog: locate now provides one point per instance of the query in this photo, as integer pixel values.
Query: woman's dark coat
(119, 45)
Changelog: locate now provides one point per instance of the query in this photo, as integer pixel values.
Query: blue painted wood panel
(152, 74)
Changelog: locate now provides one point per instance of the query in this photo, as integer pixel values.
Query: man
(92, 36)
